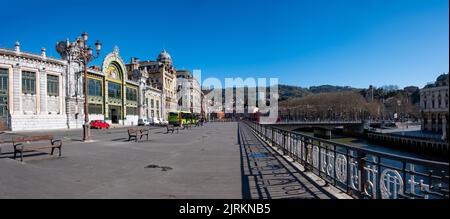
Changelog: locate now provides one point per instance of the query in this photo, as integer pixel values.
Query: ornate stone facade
(151, 104)
(31, 94)
(39, 92)
(159, 74)
(434, 106)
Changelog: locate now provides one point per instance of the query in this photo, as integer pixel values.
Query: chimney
(17, 46)
(43, 54)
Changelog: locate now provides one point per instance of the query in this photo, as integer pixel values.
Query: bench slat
(19, 139)
(35, 148)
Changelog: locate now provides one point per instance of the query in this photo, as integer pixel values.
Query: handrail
(360, 172)
(320, 122)
(366, 150)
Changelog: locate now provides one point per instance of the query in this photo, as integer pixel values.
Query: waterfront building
(189, 92)
(112, 96)
(151, 102)
(31, 90)
(39, 92)
(160, 74)
(410, 89)
(434, 106)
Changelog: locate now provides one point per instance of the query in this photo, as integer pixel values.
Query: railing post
(320, 161)
(362, 174)
(265, 133)
(349, 170)
(273, 136)
(307, 167)
(291, 146)
(378, 180)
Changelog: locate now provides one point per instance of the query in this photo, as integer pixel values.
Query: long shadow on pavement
(267, 175)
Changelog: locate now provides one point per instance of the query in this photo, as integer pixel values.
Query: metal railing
(320, 122)
(361, 173)
(224, 120)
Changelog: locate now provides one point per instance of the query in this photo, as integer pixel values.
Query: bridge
(324, 128)
(292, 125)
(315, 122)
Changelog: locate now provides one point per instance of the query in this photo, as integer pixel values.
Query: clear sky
(302, 42)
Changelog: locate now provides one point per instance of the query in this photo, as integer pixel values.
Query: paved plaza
(203, 162)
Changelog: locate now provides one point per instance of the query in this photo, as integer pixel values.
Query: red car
(99, 124)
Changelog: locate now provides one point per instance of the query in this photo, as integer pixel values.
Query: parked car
(99, 124)
(164, 122)
(143, 122)
(156, 121)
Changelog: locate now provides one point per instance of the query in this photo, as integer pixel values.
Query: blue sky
(302, 42)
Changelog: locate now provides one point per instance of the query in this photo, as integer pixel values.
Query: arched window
(114, 72)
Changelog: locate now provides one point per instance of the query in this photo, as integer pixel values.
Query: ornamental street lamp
(79, 51)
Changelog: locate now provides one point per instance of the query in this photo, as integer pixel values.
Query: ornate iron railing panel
(361, 173)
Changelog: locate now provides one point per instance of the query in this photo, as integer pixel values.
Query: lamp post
(79, 51)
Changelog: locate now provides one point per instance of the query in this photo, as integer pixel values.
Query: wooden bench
(172, 128)
(138, 133)
(23, 144)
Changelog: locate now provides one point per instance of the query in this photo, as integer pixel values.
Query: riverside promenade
(218, 160)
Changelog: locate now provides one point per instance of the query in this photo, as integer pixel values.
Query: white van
(156, 121)
(143, 122)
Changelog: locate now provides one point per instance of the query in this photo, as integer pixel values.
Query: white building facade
(434, 106)
(189, 93)
(42, 93)
(31, 94)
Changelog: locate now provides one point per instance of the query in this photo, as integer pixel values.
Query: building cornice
(434, 89)
(31, 56)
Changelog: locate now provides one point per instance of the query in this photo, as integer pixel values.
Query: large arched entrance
(115, 77)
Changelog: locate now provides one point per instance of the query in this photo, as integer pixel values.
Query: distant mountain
(287, 91)
(330, 88)
(378, 102)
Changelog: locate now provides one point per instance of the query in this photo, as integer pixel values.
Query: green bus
(176, 117)
(195, 118)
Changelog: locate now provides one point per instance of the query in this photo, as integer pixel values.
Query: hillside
(287, 92)
(330, 88)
